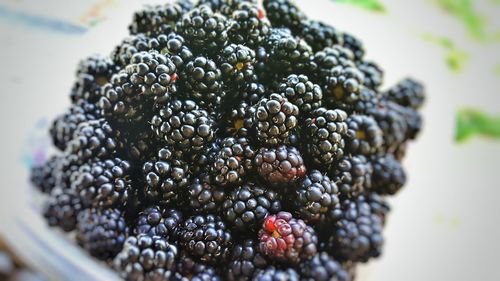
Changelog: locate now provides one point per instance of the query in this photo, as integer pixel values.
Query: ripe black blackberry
(62, 207)
(392, 122)
(342, 85)
(251, 93)
(320, 35)
(131, 45)
(289, 55)
(158, 221)
(302, 92)
(174, 46)
(206, 238)
(44, 176)
(355, 45)
(103, 183)
(248, 26)
(67, 165)
(232, 162)
(325, 133)
(239, 121)
(236, 65)
(203, 83)
(281, 166)
(364, 135)
(353, 175)
(316, 199)
(358, 234)
(157, 19)
(373, 74)
(183, 125)
(205, 196)
(378, 205)
(64, 126)
(274, 118)
(246, 207)
(188, 269)
(412, 118)
(284, 13)
(166, 177)
(272, 273)
(246, 259)
(204, 30)
(200, 161)
(285, 239)
(330, 57)
(95, 139)
(322, 267)
(408, 93)
(153, 74)
(140, 146)
(388, 174)
(146, 258)
(101, 233)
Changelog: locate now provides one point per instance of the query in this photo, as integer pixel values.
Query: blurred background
(444, 224)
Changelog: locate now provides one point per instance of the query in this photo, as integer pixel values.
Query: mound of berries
(229, 140)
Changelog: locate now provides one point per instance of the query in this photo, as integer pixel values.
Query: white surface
(444, 224)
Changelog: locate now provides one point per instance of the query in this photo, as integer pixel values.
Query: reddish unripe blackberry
(280, 166)
(286, 239)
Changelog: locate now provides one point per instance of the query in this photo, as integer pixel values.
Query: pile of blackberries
(225, 140)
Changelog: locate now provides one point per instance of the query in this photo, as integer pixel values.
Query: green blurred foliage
(465, 11)
(371, 5)
(473, 122)
(455, 57)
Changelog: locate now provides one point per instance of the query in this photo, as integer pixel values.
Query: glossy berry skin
(272, 273)
(286, 239)
(246, 260)
(323, 267)
(364, 135)
(158, 221)
(282, 166)
(62, 209)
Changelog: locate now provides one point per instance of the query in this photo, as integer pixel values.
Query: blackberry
(353, 175)
(239, 122)
(412, 118)
(358, 233)
(289, 55)
(101, 233)
(67, 165)
(44, 176)
(200, 161)
(317, 198)
(140, 146)
(325, 134)
(153, 74)
(166, 177)
(174, 46)
(94, 138)
(320, 35)
(301, 92)
(378, 205)
(236, 64)
(280, 166)
(87, 89)
(224, 7)
(204, 30)
(329, 58)
(205, 196)
(274, 118)
(206, 238)
(373, 74)
(246, 207)
(392, 123)
(64, 126)
(62, 208)
(273, 273)
(157, 221)
(355, 45)
(248, 26)
(366, 102)
(388, 174)
(284, 13)
(286, 239)
(189, 270)
(232, 162)
(408, 93)
(343, 85)
(246, 259)
(103, 183)
(156, 19)
(251, 93)
(203, 83)
(131, 45)
(146, 258)
(364, 135)
(323, 267)
(183, 125)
